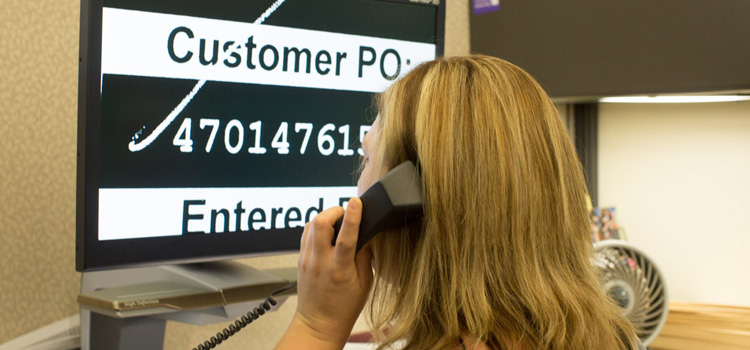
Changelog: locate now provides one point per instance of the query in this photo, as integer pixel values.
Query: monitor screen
(214, 130)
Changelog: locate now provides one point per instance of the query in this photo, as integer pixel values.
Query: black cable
(245, 320)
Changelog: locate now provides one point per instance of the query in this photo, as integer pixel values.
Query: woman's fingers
(332, 288)
(346, 242)
(303, 242)
(322, 231)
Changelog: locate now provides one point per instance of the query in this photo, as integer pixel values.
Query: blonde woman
(501, 257)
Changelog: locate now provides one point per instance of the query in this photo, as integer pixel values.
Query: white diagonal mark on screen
(136, 146)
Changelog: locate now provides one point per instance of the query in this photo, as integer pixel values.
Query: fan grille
(636, 285)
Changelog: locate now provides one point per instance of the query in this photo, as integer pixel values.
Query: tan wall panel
(38, 103)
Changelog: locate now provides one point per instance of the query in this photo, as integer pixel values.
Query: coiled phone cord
(245, 320)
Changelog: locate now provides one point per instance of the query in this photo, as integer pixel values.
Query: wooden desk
(704, 327)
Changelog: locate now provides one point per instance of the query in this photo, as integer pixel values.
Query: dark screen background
(130, 103)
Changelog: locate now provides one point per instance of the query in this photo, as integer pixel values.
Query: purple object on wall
(484, 6)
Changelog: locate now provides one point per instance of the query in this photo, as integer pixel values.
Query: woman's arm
(332, 282)
(300, 335)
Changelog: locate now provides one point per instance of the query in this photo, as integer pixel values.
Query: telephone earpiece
(394, 201)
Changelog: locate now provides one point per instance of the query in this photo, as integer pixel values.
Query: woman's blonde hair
(503, 252)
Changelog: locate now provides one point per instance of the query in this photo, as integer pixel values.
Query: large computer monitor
(215, 129)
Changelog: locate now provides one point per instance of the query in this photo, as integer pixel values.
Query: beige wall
(679, 176)
(38, 94)
(38, 106)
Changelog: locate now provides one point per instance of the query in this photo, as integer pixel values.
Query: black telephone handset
(394, 201)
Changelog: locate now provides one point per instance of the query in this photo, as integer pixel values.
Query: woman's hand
(332, 283)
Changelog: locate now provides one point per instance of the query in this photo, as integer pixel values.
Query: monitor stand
(128, 308)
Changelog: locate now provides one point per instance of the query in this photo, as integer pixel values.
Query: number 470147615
(234, 137)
